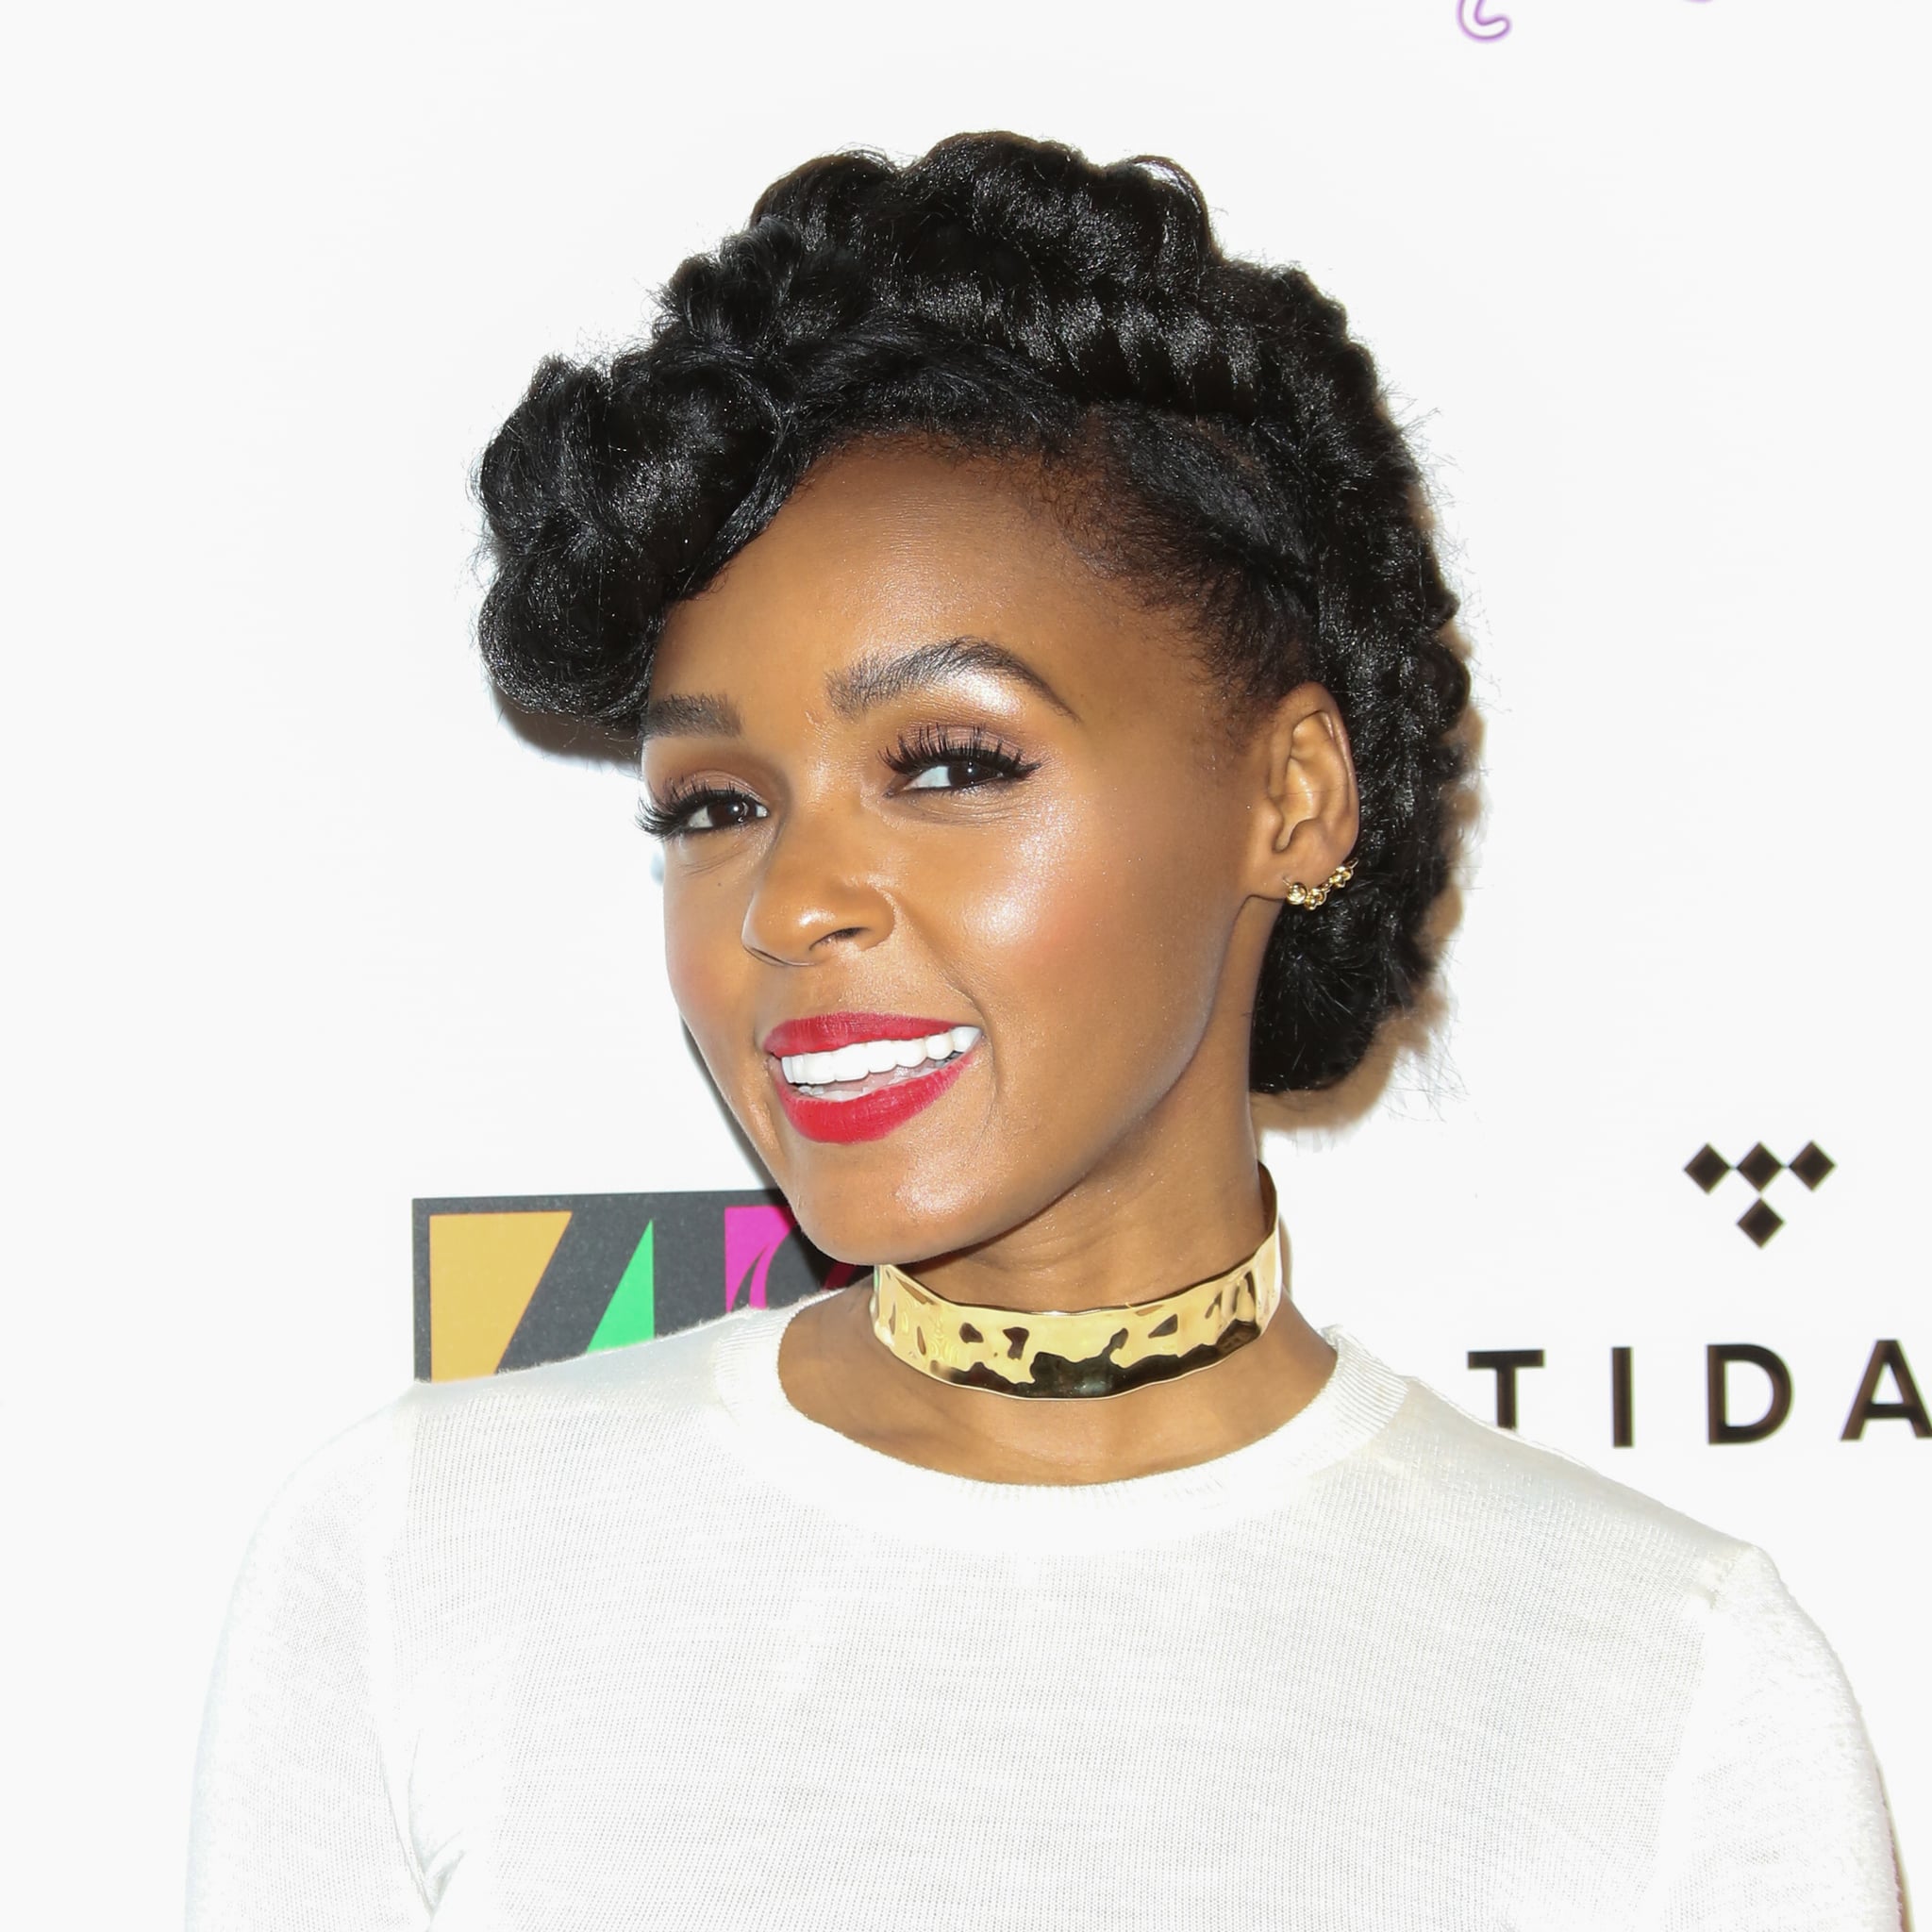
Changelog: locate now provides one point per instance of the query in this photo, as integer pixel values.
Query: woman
(1040, 666)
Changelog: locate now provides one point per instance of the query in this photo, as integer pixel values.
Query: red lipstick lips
(875, 1111)
(828, 1032)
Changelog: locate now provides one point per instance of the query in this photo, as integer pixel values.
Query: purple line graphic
(1479, 26)
(753, 1237)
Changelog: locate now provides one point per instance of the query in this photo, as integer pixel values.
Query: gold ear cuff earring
(1308, 897)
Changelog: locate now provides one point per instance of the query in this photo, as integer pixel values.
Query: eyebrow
(878, 680)
(860, 688)
(699, 715)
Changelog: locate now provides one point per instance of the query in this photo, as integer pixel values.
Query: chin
(885, 1212)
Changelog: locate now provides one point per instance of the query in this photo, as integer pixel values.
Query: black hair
(1005, 296)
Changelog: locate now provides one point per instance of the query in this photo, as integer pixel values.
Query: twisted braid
(1227, 439)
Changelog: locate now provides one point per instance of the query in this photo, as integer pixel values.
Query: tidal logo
(1760, 1167)
(1724, 1422)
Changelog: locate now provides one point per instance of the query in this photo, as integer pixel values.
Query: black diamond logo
(1707, 1167)
(1760, 1220)
(1758, 1168)
(1813, 1164)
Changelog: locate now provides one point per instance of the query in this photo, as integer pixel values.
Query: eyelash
(667, 821)
(932, 744)
(919, 751)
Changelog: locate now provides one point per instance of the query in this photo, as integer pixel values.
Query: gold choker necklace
(1080, 1351)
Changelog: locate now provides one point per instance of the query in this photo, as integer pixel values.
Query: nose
(813, 898)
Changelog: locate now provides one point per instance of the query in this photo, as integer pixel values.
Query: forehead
(884, 549)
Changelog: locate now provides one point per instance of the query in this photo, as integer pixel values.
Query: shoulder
(1531, 1555)
(669, 1378)
(1531, 1578)
(489, 1446)
(1521, 1505)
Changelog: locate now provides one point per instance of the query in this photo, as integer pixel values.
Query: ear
(1308, 811)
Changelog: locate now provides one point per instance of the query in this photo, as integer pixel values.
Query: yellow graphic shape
(483, 1270)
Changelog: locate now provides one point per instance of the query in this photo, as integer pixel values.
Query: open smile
(856, 1076)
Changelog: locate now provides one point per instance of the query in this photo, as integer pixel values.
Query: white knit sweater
(629, 1642)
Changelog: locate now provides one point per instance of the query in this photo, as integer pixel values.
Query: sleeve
(293, 1827)
(1774, 1818)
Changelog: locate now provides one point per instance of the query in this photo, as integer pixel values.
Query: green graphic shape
(632, 1315)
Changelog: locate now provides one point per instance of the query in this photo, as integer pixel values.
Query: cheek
(704, 959)
(1097, 942)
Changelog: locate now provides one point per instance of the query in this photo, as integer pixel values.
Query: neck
(1091, 1251)
(1163, 1211)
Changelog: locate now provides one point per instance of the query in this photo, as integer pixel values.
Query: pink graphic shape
(752, 1237)
(1478, 24)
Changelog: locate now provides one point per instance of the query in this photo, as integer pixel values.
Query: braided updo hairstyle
(1224, 444)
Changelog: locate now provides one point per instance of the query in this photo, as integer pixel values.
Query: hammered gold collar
(1080, 1351)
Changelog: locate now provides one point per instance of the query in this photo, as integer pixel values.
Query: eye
(955, 774)
(932, 759)
(716, 814)
(707, 808)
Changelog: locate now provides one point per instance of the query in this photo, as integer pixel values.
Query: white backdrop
(301, 930)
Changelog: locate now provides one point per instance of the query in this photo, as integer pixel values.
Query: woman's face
(962, 872)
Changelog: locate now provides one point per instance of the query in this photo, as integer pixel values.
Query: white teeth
(851, 1063)
(867, 1056)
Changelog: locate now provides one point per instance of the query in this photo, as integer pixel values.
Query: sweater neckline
(870, 1489)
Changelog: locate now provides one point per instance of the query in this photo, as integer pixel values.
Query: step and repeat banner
(343, 1051)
